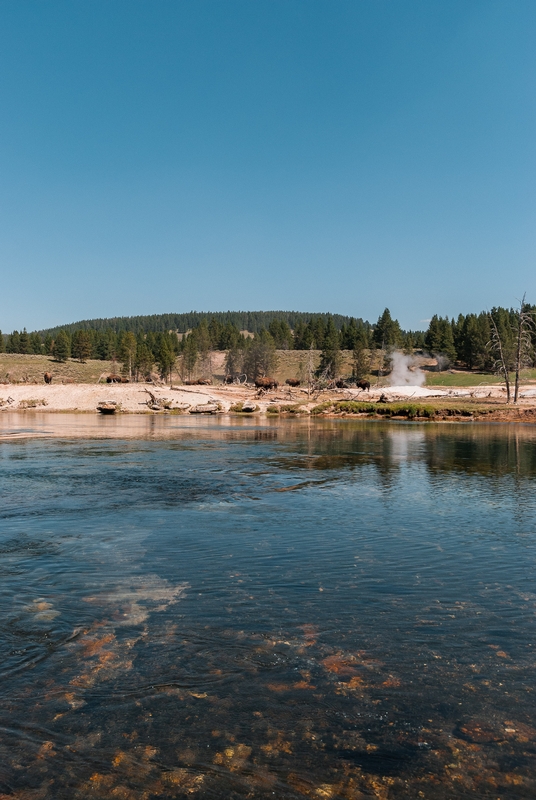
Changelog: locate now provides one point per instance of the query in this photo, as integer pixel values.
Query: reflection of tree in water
(340, 693)
(489, 451)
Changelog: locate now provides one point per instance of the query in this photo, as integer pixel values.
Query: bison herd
(260, 383)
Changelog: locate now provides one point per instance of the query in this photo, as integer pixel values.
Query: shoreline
(484, 403)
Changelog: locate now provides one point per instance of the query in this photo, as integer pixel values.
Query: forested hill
(252, 321)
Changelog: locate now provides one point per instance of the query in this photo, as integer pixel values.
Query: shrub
(292, 409)
(409, 410)
(32, 403)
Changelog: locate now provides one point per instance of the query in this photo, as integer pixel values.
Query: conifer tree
(234, 361)
(144, 360)
(127, 352)
(360, 360)
(61, 349)
(330, 357)
(36, 345)
(13, 343)
(81, 345)
(47, 344)
(189, 355)
(260, 358)
(166, 358)
(387, 333)
(24, 342)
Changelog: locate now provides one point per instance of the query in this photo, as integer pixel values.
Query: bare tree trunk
(518, 351)
(525, 324)
(503, 366)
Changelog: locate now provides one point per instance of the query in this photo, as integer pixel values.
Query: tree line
(490, 341)
(251, 321)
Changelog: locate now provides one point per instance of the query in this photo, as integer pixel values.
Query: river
(220, 608)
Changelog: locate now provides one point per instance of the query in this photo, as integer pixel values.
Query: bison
(341, 385)
(292, 382)
(266, 383)
(363, 385)
(48, 377)
(199, 382)
(113, 379)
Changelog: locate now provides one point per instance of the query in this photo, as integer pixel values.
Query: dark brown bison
(199, 382)
(113, 379)
(48, 377)
(341, 385)
(363, 385)
(229, 379)
(292, 382)
(266, 383)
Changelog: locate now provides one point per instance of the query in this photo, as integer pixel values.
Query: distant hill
(252, 321)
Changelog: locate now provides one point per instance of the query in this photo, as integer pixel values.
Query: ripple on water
(333, 610)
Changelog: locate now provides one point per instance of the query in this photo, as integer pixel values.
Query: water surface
(308, 608)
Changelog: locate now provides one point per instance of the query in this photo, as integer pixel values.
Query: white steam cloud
(405, 372)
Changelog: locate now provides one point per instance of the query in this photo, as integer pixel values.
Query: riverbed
(238, 608)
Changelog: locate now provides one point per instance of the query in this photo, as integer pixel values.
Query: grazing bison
(363, 385)
(199, 382)
(48, 377)
(341, 385)
(113, 379)
(266, 383)
(229, 379)
(292, 382)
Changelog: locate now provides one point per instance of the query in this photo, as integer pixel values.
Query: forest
(496, 341)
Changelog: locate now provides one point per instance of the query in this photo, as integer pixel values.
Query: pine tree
(281, 334)
(36, 345)
(144, 360)
(189, 356)
(166, 359)
(234, 361)
(127, 352)
(387, 332)
(330, 357)
(13, 343)
(24, 342)
(47, 344)
(432, 338)
(61, 349)
(361, 361)
(260, 358)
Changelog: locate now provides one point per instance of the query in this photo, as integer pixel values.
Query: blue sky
(259, 154)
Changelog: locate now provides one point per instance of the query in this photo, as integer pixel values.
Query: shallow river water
(215, 608)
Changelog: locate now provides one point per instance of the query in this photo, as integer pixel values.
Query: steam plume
(405, 372)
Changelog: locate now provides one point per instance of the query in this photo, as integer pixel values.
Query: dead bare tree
(501, 363)
(524, 328)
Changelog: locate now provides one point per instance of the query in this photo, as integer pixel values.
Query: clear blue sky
(265, 154)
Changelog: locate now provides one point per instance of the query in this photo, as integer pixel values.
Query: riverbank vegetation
(501, 342)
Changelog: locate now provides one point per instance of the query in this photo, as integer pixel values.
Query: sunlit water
(219, 609)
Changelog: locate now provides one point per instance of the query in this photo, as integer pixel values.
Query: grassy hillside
(15, 368)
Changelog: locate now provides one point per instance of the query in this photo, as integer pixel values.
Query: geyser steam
(405, 372)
